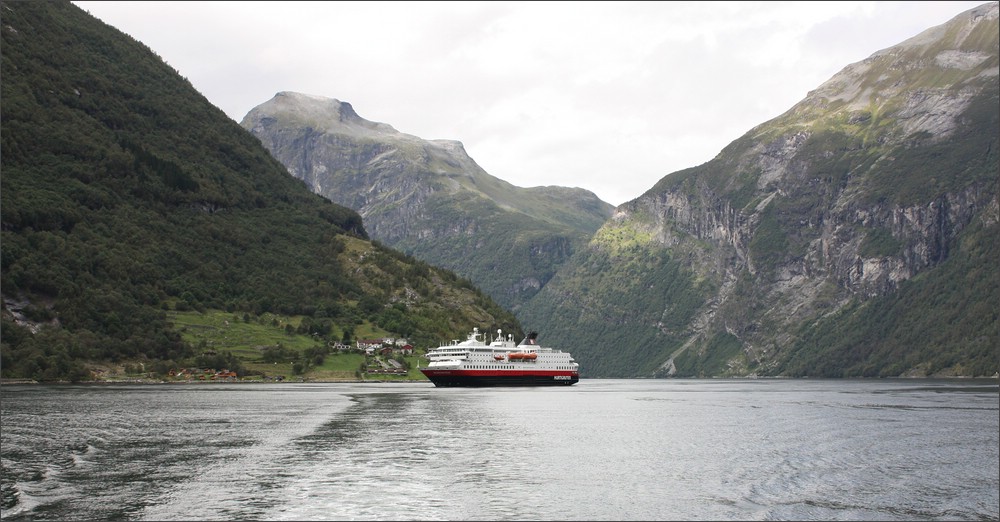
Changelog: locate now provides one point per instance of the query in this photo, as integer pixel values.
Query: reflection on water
(600, 450)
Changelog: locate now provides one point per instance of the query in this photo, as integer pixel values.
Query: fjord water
(599, 450)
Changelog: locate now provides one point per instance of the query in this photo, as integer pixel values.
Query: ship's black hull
(486, 381)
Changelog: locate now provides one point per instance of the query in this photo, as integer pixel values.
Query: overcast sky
(607, 96)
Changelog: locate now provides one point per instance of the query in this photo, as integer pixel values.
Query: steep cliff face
(811, 222)
(429, 198)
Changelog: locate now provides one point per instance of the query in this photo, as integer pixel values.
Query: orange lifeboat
(522, 356)
(498, 357)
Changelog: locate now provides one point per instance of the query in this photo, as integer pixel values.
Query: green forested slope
(125, 194)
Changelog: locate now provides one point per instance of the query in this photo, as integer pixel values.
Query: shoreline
(15, 382)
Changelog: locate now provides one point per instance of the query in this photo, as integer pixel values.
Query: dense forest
(127, 195)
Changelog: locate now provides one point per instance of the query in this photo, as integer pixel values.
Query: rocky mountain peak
(428, 198)
(318, 113)
(924, 82)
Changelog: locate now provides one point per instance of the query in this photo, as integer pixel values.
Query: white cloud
(607, 96)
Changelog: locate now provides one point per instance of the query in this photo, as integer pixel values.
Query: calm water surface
(599, 450)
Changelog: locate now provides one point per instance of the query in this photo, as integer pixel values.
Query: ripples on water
(600, 450)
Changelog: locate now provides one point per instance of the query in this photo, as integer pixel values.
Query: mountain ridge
(830, 207)
(428, 198)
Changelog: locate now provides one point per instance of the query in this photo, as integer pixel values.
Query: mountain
(428, 198)
(855, 235)
(127, 197)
